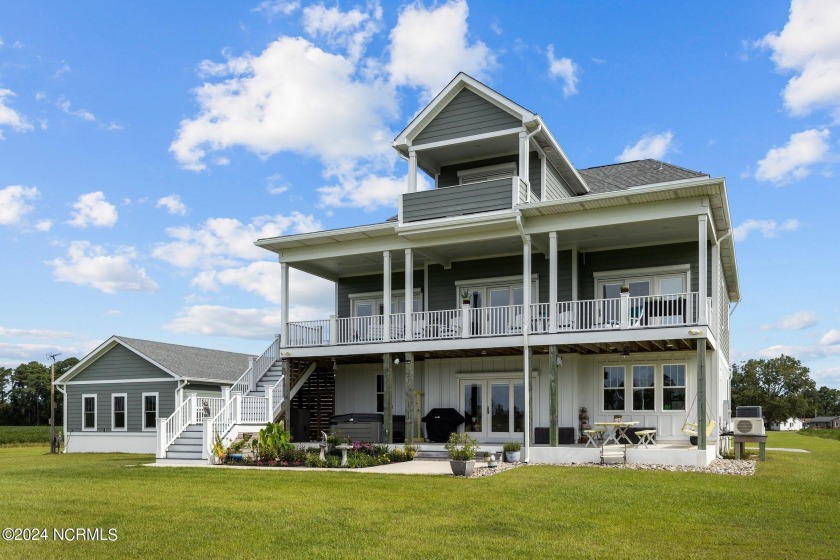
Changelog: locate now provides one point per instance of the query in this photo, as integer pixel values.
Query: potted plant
(511, 449)
(461, 448)
(491, 460)
(465, 296)
(625, 289)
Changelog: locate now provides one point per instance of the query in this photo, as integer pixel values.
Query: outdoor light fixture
(560, 361)
(396, 361)
(625, 353)
(695, 332)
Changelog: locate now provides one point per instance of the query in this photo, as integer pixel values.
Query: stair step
(192, 428)
(185, 447)
(190, 436)
(183, 455)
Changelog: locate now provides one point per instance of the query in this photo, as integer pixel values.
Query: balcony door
(496, 309)
(494, 408)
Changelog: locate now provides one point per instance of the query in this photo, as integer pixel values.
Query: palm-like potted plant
(461, 448)
(511, 449)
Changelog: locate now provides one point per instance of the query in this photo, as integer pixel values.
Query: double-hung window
(89, 413)
(613, 388)
(118, 412)
(150, 411)
(380, 392)
(673, 387)
(644, 391)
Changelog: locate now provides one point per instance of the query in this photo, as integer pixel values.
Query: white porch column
(574, 275)
(284, 305)
(386, 296)
(252, 381)
(702, 272)
(716, 289)
(526, 350)
(409, 294)
(701, 394)
(412, 171)
(523, 162)
(552, 281)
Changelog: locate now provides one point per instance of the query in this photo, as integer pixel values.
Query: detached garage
(114, 396)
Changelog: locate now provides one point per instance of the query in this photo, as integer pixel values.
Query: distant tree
(826, 402)
(781, 386)
(5, 387)
(29, 397)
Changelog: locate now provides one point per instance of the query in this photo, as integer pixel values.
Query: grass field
(15, 435)
(788, 509)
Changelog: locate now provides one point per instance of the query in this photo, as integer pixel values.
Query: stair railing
(239, 409)
(247, 382)
(171, 427)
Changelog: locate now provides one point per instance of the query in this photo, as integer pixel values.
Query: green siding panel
(121, 363)
(555, 187)
(466, 115)
(134, 405)
(370, 283)
(203, 390)
(473, 198)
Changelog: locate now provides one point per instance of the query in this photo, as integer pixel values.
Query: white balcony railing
(638, 312)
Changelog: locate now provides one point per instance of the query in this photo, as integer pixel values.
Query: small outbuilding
(822, 422)
(114, 395)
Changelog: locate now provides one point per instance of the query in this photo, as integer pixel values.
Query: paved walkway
(788, 449)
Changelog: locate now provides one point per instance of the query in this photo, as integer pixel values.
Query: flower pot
(512, 456)
(462, 468)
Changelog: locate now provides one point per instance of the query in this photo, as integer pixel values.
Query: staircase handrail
(277, 395)
(257, 369)
(183, 416)
(231, 414)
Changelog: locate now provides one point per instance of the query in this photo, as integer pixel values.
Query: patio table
(616, 431)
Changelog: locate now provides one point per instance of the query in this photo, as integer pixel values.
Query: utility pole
(53, 446)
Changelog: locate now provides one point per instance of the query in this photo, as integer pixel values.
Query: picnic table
(616, 431)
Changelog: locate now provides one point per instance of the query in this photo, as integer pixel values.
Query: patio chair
(419, 328)
(566, 320)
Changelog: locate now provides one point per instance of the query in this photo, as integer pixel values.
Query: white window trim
(125, 412)
(654, 270)
(660, 378)
(499, 282)
(601, 388)
(143, 408)
(95, 412)
(658, 387)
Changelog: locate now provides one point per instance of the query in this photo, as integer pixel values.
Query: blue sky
(145, 145)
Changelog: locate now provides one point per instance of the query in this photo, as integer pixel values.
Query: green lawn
(788, 509)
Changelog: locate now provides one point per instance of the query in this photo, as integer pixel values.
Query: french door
(494, 408)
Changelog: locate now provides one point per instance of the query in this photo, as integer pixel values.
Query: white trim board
(153, 380)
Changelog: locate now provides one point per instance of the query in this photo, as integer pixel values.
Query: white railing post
(206, 438)
(237, 409)
(386, 296)
(269, 407)
(333, 330)
(161, 438)
(465, 320)
(226, 394)
(552, 281)
(284, 305)
(193, 412)
(251, 382)
(624, 310)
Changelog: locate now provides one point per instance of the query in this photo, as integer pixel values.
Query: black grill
(440, 422)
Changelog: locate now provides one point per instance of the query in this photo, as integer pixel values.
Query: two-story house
(517, 291)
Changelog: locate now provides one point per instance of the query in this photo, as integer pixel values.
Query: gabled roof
(181, 362)
(622, 176)
(822, 419)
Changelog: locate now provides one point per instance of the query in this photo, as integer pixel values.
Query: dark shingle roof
(191, 362)
(823, 419)
(621, 176)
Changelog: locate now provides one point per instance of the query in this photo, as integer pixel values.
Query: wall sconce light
(695, 332)
(397, 361)
(625, 353)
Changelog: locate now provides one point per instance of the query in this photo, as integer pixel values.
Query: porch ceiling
(432, 159)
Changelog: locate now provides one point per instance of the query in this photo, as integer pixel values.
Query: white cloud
(83, 114)
(809, 46)
(14, 353)
(802, 353)
(276, 184)
(271, 8)
(216, 320)
(13, 203)
(792, 161)
(649, 146)
(827, 376)
(768, 228)
(9, 117)
(173, 204)
(90, 265)
(831, 338)
(284, 99)
(369, 192)
(43, 225)
(430, 46)
(795, 322)
(227, 241)
(34, 333)
(92, 209)
(565, 69)
(350, 30)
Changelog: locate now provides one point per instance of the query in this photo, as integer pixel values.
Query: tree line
(783, 388)
(25, 393)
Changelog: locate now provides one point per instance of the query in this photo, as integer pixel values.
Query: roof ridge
(128, 338)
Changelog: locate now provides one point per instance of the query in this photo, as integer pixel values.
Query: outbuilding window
(118, 412)
(150, 411)
(89, 412)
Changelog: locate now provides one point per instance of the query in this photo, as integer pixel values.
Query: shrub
(313, 460)
(461, 447)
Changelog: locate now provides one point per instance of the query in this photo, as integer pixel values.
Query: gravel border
(718, 466)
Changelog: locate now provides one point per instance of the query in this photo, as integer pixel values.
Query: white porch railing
(238, 410)
(638, 312)
(192, 411)
(248, 381)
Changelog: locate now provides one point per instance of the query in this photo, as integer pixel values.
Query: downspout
(526, 354)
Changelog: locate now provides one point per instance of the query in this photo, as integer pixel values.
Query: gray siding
(535, 176)
(121, 363)
(371, 283)
(134, 404)
(555, 187)
(448, 176)
(456, 201)
(467, 114)
(639, 257)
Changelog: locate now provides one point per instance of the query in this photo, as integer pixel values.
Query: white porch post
(526, 350)
(574, 275)
(161, 439)
(284, 305)
(269, 409)
(523, 164)
(702, 274)
(701, 394)
(252, 382)
(552, 281)
(412, 171)
(386, 296)
(714, 320)
(409, 294)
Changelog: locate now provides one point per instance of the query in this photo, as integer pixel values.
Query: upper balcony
(482, 196)
(624, 313)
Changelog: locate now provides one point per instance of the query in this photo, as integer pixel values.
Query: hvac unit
(749, 426)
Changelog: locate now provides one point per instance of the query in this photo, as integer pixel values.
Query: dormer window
(486, 173)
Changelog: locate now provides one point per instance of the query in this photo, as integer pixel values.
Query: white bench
(646, 437)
